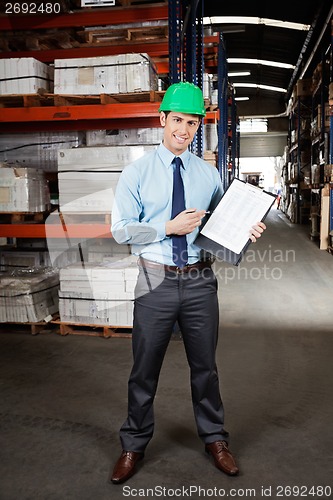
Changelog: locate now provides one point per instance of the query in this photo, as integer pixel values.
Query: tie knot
(178, 161)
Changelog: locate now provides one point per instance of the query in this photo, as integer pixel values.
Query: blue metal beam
(175, 40)
(193, 66)
(223, 107)
(234, 137)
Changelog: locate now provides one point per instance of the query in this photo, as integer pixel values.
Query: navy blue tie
(179, 243)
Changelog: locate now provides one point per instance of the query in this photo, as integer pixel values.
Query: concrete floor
(62, 399)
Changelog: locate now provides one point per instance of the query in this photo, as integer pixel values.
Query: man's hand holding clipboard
(256, 231)
(236, 221)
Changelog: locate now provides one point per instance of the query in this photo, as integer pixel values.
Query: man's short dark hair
(167, 112)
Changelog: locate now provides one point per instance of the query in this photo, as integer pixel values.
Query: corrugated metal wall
(256, 145)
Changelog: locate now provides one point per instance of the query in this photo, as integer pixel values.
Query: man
(160, 202)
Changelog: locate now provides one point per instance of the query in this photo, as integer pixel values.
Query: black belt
(204, 264)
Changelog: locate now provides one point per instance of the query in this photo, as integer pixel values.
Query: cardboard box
(113, 272)
(315, 174)
(125, 137)
(324, 218)
(327, 116)
(23, 190)
(211, 138)
(13, 259)
(100, 159)
(317, 76)
(304, 87)
(28, 296)
(38, 149)
(87, 191)
(210, 157)
(328, 173)
(330, 91)
(33, 258)
(207, 87)
(101, 250)
(88, 176)
(24, 75)
(98, 293)
(121, 73)
(92, 312)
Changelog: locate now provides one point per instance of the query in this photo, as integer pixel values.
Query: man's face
(179, 130)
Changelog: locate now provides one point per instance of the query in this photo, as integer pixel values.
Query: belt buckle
(182, 270)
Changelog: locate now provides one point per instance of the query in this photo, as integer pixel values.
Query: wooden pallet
(20, 217)
(34, 328)
(47, 99)
(67, 328)
(106, 331)
(130, 97)
(210, 107)
(26, 100)
(67, 218)
(125, 36)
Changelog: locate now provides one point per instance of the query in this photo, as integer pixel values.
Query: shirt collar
(167, 156)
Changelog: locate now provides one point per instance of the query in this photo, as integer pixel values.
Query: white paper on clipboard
(241, 207)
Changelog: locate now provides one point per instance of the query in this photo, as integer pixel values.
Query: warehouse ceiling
(270, 43)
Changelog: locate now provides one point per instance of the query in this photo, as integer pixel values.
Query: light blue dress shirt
(143, 202)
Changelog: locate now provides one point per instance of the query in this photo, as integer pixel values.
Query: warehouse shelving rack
(186, 54)
(330, 154)
(90, 17)
(320, 141)
(311, 146)
(300, 157)
(228, 132)
(107, 114)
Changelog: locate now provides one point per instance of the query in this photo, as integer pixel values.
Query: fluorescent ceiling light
(263, 62)
(257, 86)
(239, 73)
(255, 20)
(242, 98)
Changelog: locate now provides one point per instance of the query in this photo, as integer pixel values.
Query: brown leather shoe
(125, 466)
(222, 457)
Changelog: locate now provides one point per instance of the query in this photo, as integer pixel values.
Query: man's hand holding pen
(185, 222)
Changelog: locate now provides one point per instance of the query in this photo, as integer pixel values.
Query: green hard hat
(184, 97)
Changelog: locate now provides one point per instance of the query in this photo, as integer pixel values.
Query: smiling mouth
(180, 139)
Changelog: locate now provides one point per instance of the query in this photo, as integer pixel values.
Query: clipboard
(225, 234)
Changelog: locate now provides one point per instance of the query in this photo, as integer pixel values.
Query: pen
(192, 211)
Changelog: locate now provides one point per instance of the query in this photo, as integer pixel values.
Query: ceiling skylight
(255, 20)
(276, 64)
(258, 86)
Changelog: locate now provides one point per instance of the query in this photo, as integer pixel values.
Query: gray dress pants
(162, 298)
